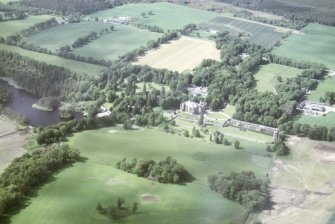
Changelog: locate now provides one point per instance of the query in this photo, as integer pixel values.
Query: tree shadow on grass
(33, 193)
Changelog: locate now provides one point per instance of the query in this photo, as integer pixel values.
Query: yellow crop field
(180, 55)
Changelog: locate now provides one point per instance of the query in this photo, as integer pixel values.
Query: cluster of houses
(313, 108)
(123, 20)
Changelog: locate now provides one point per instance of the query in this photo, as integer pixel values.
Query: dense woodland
(244, 188)
(304, 10)
(77, 6)
(37, 77)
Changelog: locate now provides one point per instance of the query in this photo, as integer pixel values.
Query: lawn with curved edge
(73, 195)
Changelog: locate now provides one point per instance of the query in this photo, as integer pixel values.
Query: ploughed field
(180, 55)
(257, 33)
(74, 194)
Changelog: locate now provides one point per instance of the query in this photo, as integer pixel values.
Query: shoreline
(41, 108)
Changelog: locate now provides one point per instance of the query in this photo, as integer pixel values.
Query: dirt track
(11, 144)
(303, 186)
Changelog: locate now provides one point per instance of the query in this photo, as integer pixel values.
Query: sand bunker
(115, 181)
(112, 131)
(150, 198)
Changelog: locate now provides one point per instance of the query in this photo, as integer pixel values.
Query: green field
(257, 33)
(76, 66)
(326, 85)
(12, 27)
(58, 36)
(165, 15)
(73, 196)
(327, 120)
(267, 75)
(121, 41)
(317, 44)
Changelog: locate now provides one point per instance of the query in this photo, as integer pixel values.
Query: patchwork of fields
(12, 27)
(257, 33)
(165, 15)
(76, 66)
(316, 44)
(61, 35)
(117, 43)
(180, 55)
(267, 75)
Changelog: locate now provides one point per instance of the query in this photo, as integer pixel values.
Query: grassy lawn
(317, 44)
(328, 120)
(231, 132)
(165, 15)
(66, 34)
(327, 85)
(217, 115)
(230, 110)
(267, 75)
(76, 66)
(73, 196)
(246, 135)
(12, 27)
(121, 41)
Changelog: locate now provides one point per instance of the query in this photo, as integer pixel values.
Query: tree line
(25, 173)
(306, 11)
(244, 188)
(167, 170)
(84, 7)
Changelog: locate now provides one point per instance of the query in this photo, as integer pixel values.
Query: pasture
(75, 66)
(257, 33)
(267, 75)
(117, 43)
(12, 27)
(61, 35)
(328, 120)
(164, 15)
(302, 184)
(182, 54)
(73, 196)
(326, 85)
(316, 44)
